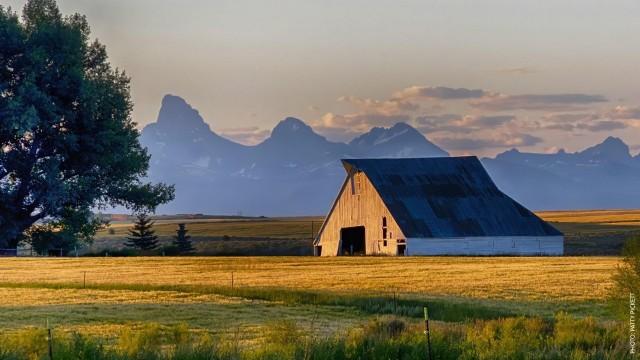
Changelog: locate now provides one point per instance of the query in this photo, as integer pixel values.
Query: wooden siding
(358, 204)
(502, 245)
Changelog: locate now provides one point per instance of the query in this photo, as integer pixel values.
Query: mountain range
(296, 171)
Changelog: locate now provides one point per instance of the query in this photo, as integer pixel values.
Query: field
(595, 232)
(241, 300)
(101, 295)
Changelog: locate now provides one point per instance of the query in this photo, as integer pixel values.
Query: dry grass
(294, 228)
(607, 217)
(106, 313)
(514, 278)
(596, 232)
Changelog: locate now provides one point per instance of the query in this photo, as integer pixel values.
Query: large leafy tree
(68, 143)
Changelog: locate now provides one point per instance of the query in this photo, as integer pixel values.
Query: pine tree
(182, 240)
(142, 235)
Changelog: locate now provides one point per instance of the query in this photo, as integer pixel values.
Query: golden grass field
(132, 291)
(28, 295)
(513, 278)
(304, 227)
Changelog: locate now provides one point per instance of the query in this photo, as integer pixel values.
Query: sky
(475, 77)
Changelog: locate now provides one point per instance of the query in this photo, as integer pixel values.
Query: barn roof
(447, 197)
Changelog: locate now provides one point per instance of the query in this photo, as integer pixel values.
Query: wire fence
(28, 252)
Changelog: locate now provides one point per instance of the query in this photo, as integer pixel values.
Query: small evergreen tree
(182, 240)
(142, 236)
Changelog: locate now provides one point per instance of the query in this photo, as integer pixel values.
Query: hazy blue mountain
(296, 171)
(401, 140)
(601, 176)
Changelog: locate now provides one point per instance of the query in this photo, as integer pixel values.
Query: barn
(429, 206)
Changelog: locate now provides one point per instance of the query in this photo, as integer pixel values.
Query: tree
(627, 278)
(182, 241)
(68, 142)
(142, 236)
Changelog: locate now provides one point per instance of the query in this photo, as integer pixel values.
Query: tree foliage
(67, 141)
(182, 241)
(142, 236)
(627, 278)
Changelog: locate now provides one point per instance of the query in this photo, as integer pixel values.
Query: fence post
(232, 280)
(49, 341)
(426, 331)
(84, 280)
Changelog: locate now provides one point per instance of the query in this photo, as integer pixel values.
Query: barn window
(384, 227)
(355, 184)
(384, 243)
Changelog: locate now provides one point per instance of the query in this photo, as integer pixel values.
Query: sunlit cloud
(438, 92)
(544, 102)
(384, 107)
(519, 70)
(457, 123)
(250, 135)
(624, 112)
(501, 140)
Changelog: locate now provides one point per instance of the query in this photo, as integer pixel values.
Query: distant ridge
(296, 171)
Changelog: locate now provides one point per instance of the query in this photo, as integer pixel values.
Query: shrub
(141, 344)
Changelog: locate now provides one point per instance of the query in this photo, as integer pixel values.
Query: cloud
(502, 140)
(346, 127)
(463, 124)
(579, 121)
(438, 92)
(520, 70)
(246, 135)
(548, 102)
(625, 112)
(384, 107)
(603, 125)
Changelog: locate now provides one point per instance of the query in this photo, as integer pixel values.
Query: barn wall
(364, 208)
(503, 245)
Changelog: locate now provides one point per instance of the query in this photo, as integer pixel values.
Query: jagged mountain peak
(400, 140)
(612, 148)
(178, 115)
(291, 126)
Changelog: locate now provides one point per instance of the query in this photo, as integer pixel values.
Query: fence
(14, 252)
(8, 252)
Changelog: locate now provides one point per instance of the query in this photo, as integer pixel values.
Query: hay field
(128, 293)
(514, 278)
(594, 232)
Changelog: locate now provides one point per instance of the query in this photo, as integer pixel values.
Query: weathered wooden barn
(429, 206)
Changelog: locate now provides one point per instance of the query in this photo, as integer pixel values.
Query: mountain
(601, 176)
(401, 140)
(294, 171)
(181, 137)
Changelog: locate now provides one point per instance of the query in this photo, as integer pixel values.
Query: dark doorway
(402, 248)
(353, 242)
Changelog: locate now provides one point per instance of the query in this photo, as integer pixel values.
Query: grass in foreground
(388, 338)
